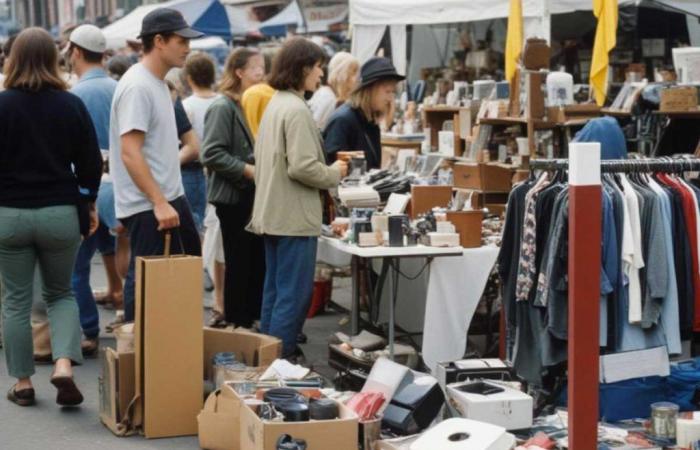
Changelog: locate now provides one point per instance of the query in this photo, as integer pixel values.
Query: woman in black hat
(354, 126)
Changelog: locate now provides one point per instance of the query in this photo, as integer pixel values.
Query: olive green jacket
(290, 170)
(226, 149)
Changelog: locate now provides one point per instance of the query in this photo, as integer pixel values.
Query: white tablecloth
(454, 286)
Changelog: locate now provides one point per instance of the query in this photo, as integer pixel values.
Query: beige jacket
(290, 170)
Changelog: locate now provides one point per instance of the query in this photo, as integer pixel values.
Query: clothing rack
(584, 168)
(669, 165)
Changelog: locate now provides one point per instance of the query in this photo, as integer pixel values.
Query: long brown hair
(230, 84)
(33, 63)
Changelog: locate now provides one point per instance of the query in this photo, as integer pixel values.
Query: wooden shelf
(615, 113)
(539, 124)
(679, 114)
(442, 108)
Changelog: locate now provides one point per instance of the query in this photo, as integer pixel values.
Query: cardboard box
(219, 421)
(468, 225)
(116, 386)
(483, 177)
(253, 349)
(679, 99)
(338, 434)
(425, 198)
(169, 344)
(508, 408)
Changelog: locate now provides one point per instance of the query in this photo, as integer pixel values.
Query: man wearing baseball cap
(85, 51)
(144, 157)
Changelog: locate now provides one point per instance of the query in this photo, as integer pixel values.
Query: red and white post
(585, 224)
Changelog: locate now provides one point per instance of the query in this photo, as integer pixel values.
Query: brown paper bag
(169, 344)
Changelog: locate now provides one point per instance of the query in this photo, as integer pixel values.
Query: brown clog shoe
(68, 393)
(23, 397)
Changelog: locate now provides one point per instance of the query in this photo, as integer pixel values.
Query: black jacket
(48, 149)
(349, 130)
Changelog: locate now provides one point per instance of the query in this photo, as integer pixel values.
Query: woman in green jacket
(290, 172)
(227, 152)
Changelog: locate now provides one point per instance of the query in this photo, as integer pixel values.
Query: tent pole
(302, 8)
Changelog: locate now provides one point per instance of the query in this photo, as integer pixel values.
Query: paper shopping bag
(169, 344)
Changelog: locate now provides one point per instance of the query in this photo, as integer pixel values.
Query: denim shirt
(96, 89)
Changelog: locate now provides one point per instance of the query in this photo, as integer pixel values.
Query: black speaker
(414, 405)
(397, 225)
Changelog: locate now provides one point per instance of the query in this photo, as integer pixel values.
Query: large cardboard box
(253, 349)
(679, 99)
(483, 177)
(169, 343)
(338, 434)
(219, 421)
(116, 386)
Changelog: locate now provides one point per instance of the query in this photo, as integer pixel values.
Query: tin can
(663, 419)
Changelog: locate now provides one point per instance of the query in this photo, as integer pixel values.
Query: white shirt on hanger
(632, 270)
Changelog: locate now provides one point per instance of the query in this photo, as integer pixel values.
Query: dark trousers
(146, 240)
(245, 263)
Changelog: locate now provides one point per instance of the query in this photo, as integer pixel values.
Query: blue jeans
(195, 184)
(103, 241)
(105, 206)
(289, 282)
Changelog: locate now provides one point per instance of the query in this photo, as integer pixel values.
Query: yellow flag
(514, 40)
(605, 40)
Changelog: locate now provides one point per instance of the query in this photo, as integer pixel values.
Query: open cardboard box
(219, 421)
(227, 423)
(117, 384)
(253, 349)
(337, 434)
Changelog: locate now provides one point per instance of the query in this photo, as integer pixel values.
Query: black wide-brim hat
(167, 20)
(378, 69)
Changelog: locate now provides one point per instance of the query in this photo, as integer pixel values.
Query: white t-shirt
(196, 108)
(322, 105)
(142, 102)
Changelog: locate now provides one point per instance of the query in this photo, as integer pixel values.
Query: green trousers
(48, 238)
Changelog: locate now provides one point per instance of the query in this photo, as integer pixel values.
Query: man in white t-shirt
(144, 160)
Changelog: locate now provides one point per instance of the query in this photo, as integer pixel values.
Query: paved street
(46, 426)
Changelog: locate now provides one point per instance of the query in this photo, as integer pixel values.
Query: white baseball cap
(90, 38)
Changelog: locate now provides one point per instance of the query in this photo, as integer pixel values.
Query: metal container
(663, 419)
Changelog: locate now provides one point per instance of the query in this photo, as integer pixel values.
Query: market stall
(208, 16)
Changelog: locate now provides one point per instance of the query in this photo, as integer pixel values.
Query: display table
(454, 288)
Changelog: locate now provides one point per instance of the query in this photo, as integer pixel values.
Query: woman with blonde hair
(343, 70)
(50, 170)
(355, 125)
(227, 152)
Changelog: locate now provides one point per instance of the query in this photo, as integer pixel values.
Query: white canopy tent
(370, 18)
(309, 17)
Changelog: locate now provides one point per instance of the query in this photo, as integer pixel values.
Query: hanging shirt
(691, 219)
(669, 315)
(633, 266)
(527, 264)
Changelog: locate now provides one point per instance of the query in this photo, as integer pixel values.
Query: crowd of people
(109, 157)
